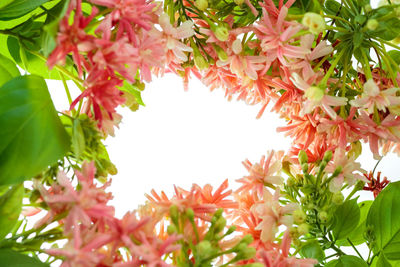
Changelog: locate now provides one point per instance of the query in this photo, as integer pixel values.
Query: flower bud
(200, 62)
(222, 33)
(299, 216)
(174, 213)
(314, 93)
(220, 52)
(314, 22)
(327, 156)
(204, 249)
(244, 252)
(323, 216)
(303, 229)
(367, 8)
(190, 214)
(338, 198)
(171, 229)
(303, 158)
(231, 230)
(372, 24)
(337, 171)
(201, 4)
(304, 167)
(355, 150)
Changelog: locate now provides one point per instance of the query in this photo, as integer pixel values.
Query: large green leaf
(347, 261)
(14, 259)
(357, 236)
(384, 220)
(8, 70)
(312, 249)
(32, 136)
(346, 218)
(10, 208)
(18, 8)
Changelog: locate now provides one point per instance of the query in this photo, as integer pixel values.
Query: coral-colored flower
(272, 215)
(350, 173)
(260, 174)
(373, 97)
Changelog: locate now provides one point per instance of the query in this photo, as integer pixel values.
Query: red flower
(375, 185)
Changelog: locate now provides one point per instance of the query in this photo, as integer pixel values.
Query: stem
(60, 68)
(66, 88)
(366, 67)
(358, 253)
(376, 165)
(324, 81)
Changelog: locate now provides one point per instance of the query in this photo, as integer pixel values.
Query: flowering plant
(329, 68)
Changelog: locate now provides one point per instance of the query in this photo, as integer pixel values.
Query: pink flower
(272, 215)
(73, 39)
(173, 36)
(279, 257)
(351, 171)
(102, 92)
(275, 35)
(316, 97)
(263, 173)
(373, 96)
(243, 66)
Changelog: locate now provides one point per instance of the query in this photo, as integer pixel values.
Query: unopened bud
(303, 158)
(314, 93)
(200, 62)
(220, 52)
(323, 216)
(338, 198)
(314, 22)
(190, 214)
(222, 33)
(299, 216)
(356, 149)
(171, 229)
(372, 24)
(201, 4)
(327, 156)
(303, 229)
(367, 8)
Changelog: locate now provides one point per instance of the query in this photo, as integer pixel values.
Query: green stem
(60, 68)
(328, 74)
(66, 88)
(355, 249)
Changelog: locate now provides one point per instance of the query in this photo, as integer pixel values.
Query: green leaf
(18, 8)
(10, 208)
(347, 261)
(384, 220)
(15, 259)
(8, 70)
(34, 64)
(313, 250)
(357, 236)
(387, 29)
(382, 261)
(32, 136)
(346, 218)
(78, 139)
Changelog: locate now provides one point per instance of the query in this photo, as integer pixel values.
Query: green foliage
(8, 70)
(312, 249)
(346, 218)
(18, 8)
(347, 261)
(32, 136)
(10, 208)
(357, 236)
(384, 221)
(15, 259)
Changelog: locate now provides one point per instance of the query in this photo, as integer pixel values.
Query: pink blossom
(279, 257)
(263, 173)
(272, 215)
(373, 96)
(173, 36)
(320, 99)
(351, 171)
